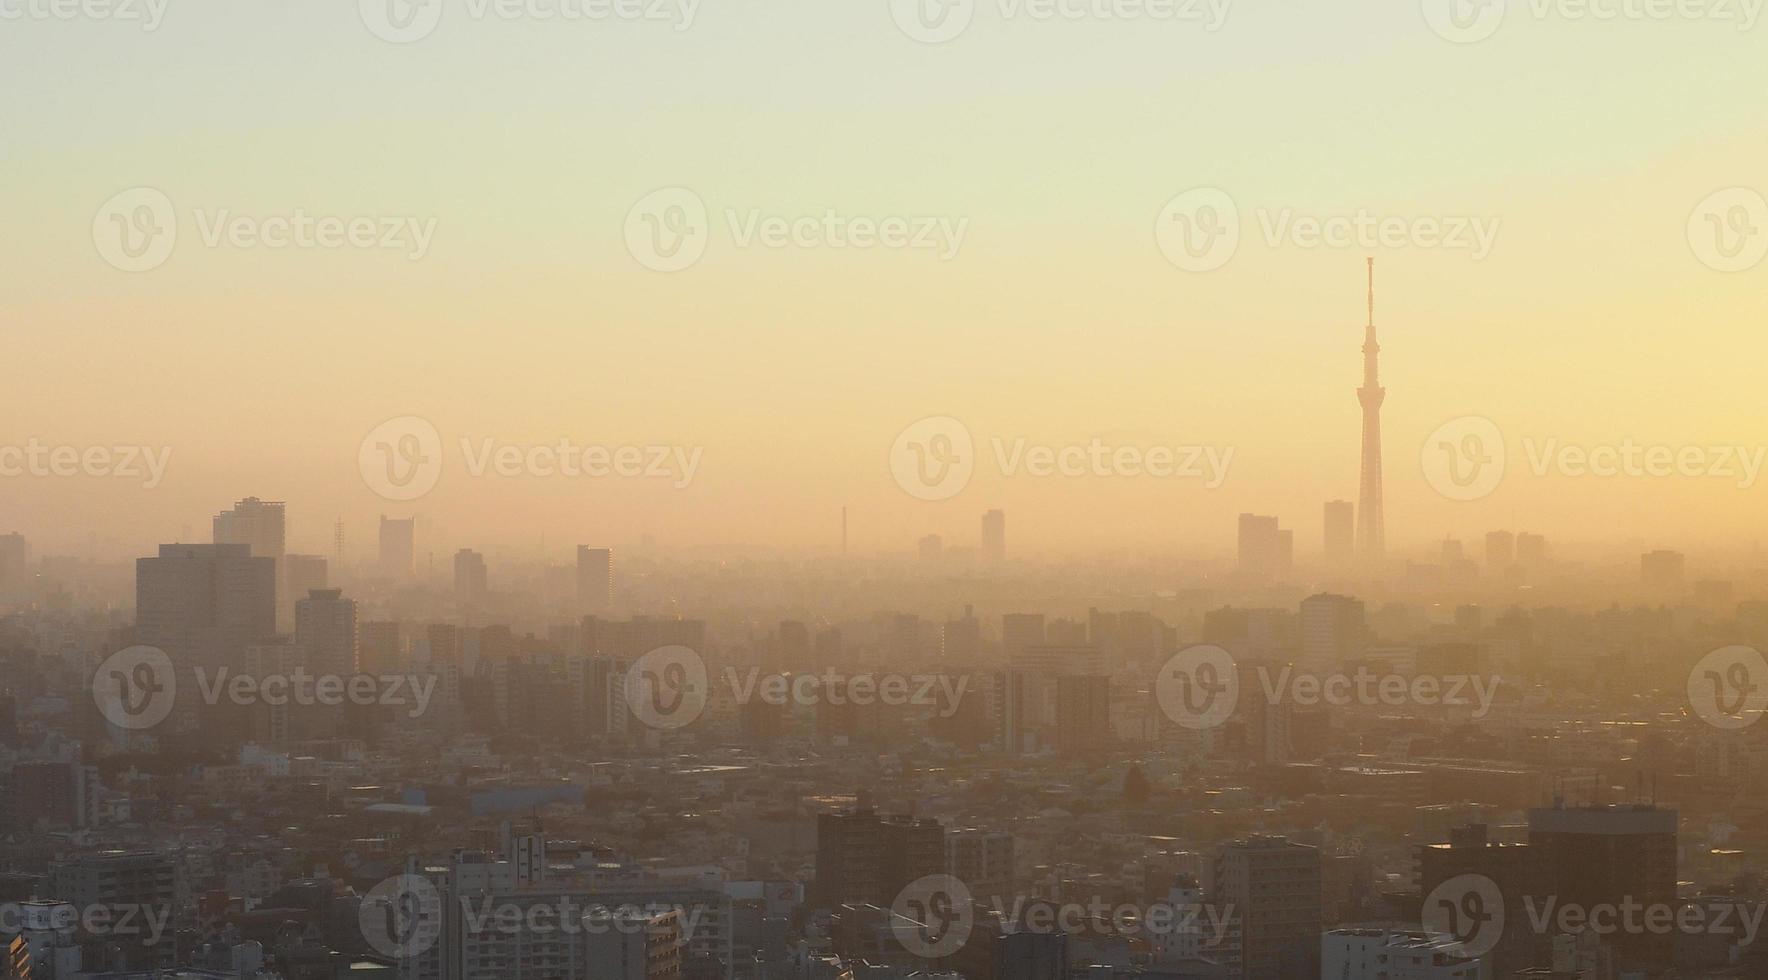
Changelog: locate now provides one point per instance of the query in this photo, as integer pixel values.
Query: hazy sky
(1055, 143)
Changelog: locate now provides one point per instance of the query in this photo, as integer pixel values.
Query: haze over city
(883, 490)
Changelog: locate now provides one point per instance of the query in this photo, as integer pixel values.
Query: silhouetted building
(994, 535)
(595, 579)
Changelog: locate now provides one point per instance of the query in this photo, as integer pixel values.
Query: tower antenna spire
(1371, 526)
(1372, 292)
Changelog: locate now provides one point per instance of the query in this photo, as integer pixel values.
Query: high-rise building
(1333, 629)
(1273, 885)
(325, 631)
(1662, 571)
(1518, 879)
(629, 944)
(931, 547)
(204, 603)
(1500, 552)
(256, 523)
(1531, 550)
(300, 574)
(982, 860)
(1083, 713)
(1020, 631)
(260, 525)
(595, 579)
(1341, 532)
(994, 535)
(119, 881)
(1371, 529)
(471, 582)
(865, 858)
(380, 647)
(1013, 705)
(15, 558)
(1264, 548)
(1611, 856)
(398, 547)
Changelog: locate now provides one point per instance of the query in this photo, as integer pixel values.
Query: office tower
(1518, 878)
(1371, 531)
(203, 603)
(931, 547)
(1599, 856)
(1500, 552)
(631, 639)
(1340, 532)
(380, 647)
(1662, 571)
(442, 643)
(299, 575)
(595, 579)
(632, 944)
(1273, 885)
(15, 559)
(982, 860)
(1268, 723)
(1264, 549)
(1332, 630)
(120, 881)
(1026, 955)
(793, 648)
(960, 640)
(1019, 631)
(398, 547)
(1531, 550)
(1396, 955)
(325, 631)
(471, 582)
(1451, 551)
(865, 858)
(1013, 707)
(259, 524)
(1083, 713)
(994, 535)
